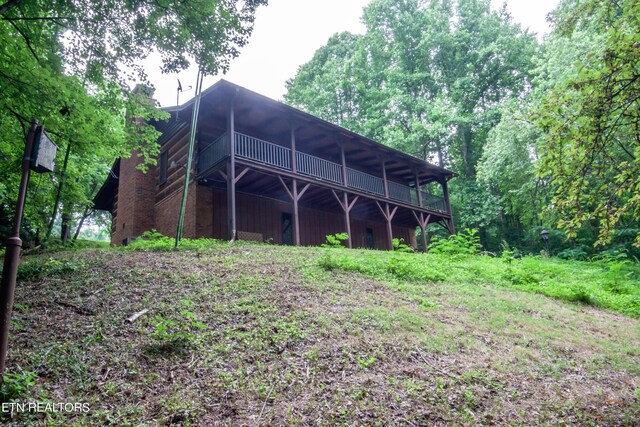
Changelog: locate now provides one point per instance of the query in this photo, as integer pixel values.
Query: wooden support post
(344, 166)
(231, 174)
(296, 218)
(294, 156)
(295, 198)
(384, 179)
(422, 223)
(346, 208)
(418, 189)
(388, 215)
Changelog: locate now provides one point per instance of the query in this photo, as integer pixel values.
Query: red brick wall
(168, 210)
(134, 213)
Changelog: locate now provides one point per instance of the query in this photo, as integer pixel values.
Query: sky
(287, 33)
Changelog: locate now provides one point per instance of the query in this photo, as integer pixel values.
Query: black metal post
(12, 255)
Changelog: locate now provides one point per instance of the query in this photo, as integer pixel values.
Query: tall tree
(590, 119)
(431, 78)
(67, 63)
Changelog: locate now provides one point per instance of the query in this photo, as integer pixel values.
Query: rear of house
(265, 171)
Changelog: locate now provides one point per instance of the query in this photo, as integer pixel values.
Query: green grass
(613, 286)
(254, 334)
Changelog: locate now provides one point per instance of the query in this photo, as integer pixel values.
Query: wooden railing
(278, 156)
(262, 151)
(213, 154)
(400, 192)
(318, 168)
(365, 182)
(434, 203)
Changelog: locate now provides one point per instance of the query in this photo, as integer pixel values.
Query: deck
(333, 174)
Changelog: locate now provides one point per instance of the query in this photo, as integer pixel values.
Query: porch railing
(400, 192)
(278, 156)
(213, 153)
(365, 182)
(435, 203)
(262, 151)
(318, 168)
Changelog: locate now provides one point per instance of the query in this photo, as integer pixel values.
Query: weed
(16, 385)
(367, 361)
(179, 332)
(335, 240)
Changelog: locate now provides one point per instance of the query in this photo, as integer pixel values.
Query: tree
(428, 78)
(67, 63)
(590, 119)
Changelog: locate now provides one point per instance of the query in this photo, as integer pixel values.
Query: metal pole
(12, 255)
(192, 139)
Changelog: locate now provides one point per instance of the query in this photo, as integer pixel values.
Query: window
(164, 165)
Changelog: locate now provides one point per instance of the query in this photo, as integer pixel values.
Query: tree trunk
(65, 226)
(59, 191)
(465, 140)
(8, 5)
(87, 212)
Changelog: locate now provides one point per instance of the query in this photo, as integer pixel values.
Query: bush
(578, 253)
(335, 240)
(400, 246)
(466, 243)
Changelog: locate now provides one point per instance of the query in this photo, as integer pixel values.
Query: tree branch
(26, 39)
(8, 5)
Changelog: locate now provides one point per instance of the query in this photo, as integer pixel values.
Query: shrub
(465, 243)
(335, 240)
(578, 253)
(400, 246)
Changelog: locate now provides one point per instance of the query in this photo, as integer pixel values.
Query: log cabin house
(265, 171)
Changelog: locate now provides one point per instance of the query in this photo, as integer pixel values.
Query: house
(265, 171)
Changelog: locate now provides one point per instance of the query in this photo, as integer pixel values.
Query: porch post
(296, 220)
(422, 223)
(231, 174)
(347, 220)
(418, 189)
(388, 215)
(344, 169)
(294, 157)
(384, 179)
(389, 228)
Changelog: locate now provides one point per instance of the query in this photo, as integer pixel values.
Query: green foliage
(578, 253)
(153, 241)
(607, 284)
(69, 66)
(181, 331)
(335, 240)
(589, 117)
(37, 268)
(400, 246)
(17, 385)
(465, 243)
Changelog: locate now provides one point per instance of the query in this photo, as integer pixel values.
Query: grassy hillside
(266, 335)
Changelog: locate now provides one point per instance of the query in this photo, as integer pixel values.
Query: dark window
(371, 244)
(287, 232)
(164, 165)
